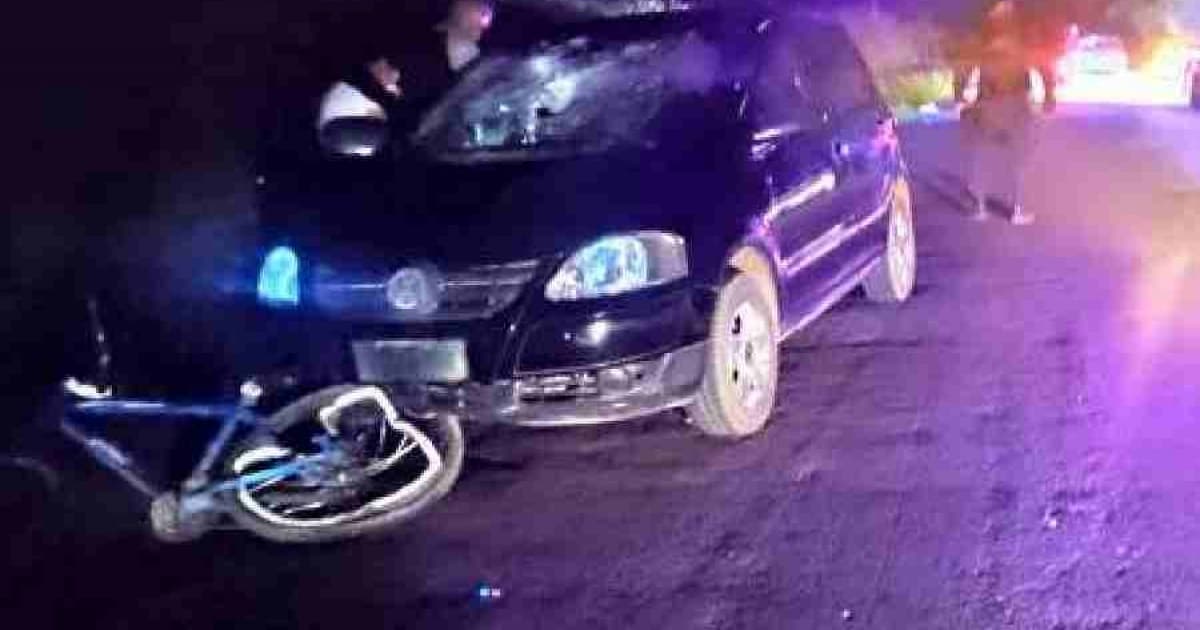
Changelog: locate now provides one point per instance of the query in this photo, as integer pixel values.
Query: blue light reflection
(279, 278)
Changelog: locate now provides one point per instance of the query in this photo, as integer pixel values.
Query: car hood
(454, 215)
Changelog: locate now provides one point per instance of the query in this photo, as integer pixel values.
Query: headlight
(619, 264)
(279, 278)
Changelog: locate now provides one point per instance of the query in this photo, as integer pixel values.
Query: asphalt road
(1015, 447)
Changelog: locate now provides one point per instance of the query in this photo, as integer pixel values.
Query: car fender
(759, 258)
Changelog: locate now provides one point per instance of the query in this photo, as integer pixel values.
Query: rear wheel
(738, 392)
(340, 463)
(894, 277)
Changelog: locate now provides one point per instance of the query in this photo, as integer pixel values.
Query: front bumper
(611, 394)
(595, 396)
(534, 364)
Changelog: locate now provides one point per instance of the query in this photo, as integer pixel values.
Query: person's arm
(386, 76)
(1043, 38)
(1045, 63)
(962, 75)
(964, 64)
(1049, 86)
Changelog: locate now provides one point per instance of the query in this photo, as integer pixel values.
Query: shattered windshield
(579, 96)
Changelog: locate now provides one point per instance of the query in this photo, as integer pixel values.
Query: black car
(626, 218)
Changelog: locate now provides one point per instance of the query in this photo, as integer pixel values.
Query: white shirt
(345, 101)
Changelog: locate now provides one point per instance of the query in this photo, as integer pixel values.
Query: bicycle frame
(199, 490)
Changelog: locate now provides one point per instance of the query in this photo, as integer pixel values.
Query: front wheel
(339, 463)
(738, 392)
(893, 278)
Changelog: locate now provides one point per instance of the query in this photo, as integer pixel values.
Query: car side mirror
(356, 136)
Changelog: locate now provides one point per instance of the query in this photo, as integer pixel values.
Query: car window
(783, 96)
(839, 79)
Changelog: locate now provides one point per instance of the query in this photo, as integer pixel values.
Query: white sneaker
(980, 213)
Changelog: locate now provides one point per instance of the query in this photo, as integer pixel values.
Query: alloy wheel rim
(750, 347)
(901, 244)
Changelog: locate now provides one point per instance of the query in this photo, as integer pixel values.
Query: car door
(863, 141)
(791, 147)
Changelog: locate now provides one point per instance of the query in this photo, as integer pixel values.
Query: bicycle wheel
(339, 463)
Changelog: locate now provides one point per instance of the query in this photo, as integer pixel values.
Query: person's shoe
(980, 213)
(1021, 216)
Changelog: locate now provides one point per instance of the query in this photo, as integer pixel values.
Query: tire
(445, 433)
(729, 405)
(893, 278)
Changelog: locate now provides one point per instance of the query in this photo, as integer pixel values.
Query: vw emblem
(413, 290)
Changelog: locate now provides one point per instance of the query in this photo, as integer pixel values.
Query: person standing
(998, 128)
(405, 78)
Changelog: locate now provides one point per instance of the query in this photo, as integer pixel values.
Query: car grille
(473, 293)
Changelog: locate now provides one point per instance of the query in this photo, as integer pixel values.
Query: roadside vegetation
(908, 58)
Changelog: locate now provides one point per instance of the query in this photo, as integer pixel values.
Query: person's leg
(973, 146)
(1021, 150)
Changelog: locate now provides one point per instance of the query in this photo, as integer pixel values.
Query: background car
(1094, 55)
(623, 219)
